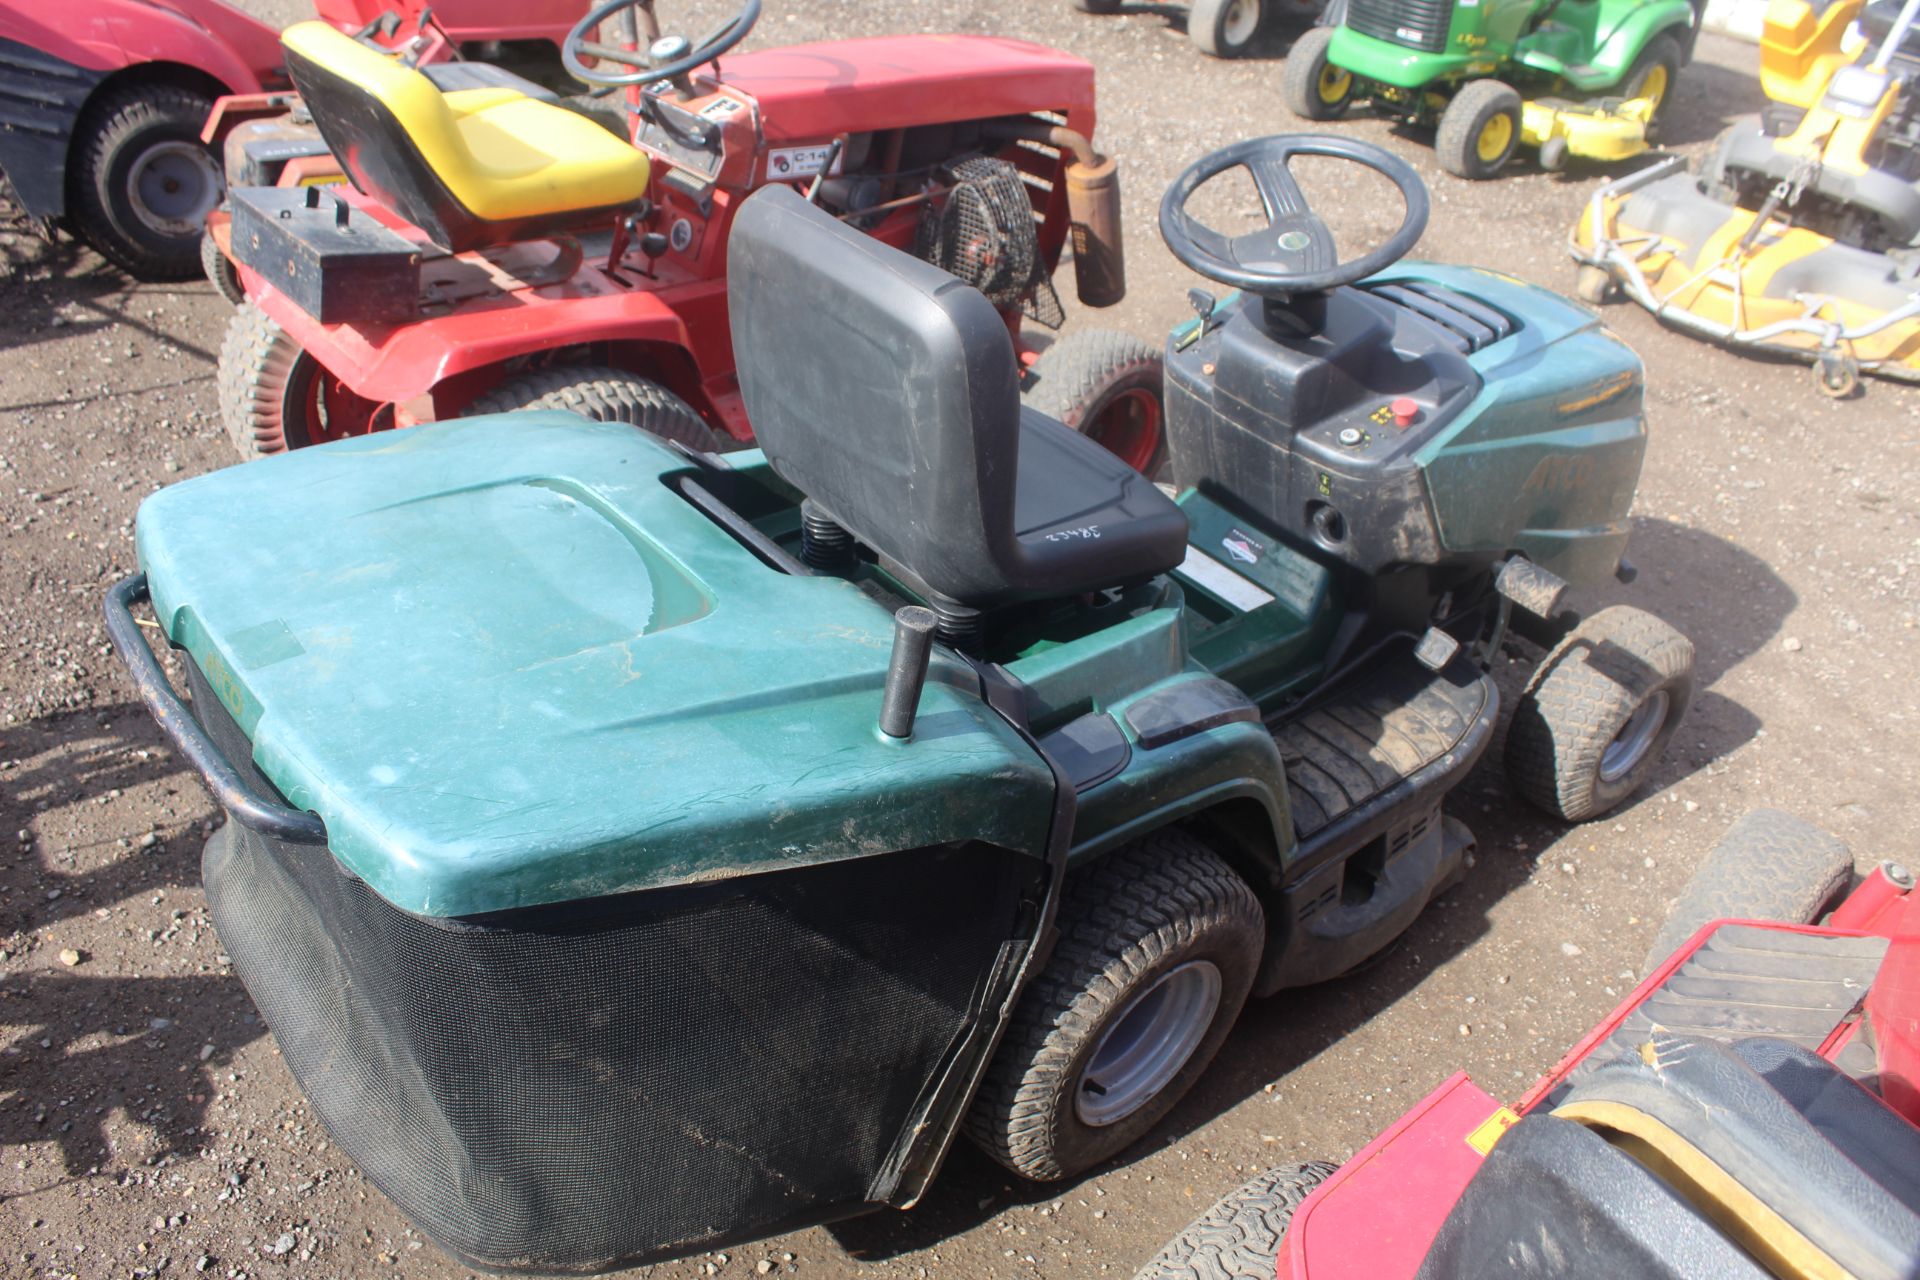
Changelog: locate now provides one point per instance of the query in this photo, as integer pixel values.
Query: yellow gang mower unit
(1801, 231)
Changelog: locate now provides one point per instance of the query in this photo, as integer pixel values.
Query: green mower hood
(507, 664)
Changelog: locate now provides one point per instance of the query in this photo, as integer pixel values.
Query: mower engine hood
(507, 664)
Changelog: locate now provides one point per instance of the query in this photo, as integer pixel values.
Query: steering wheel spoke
(580, 40)
(1295, 253)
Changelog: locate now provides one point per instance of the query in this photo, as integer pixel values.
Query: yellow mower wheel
(1479, 130)
(1312, 87)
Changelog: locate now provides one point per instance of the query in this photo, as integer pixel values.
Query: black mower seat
(1787, 1154)
(470, 167)
(887, 391)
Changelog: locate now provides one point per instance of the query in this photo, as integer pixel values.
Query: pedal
(1436, 649)
(1534, 589)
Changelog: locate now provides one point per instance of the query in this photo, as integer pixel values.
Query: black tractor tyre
(132, 125)
(1239, 1237)
(1107, 386)
(1470, 120)
(603, 395)
(1769, 866)
(1225, 28)
(1138, 928)
(1621, 680)
(220, 271)
(259, 379)
(1662, 52)
(1312, 87)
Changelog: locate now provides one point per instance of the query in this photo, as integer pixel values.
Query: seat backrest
(881, 387)
(387, 125)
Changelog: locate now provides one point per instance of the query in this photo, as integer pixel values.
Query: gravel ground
(147, 1125)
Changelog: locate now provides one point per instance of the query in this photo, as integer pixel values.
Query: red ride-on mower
(1748, 1112)
(498, 249)
(104, 101)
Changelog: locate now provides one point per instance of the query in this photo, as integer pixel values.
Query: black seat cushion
(887, 391)
(1801, 1136)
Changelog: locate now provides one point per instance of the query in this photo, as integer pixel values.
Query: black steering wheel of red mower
(1295, 254)
(710, 46)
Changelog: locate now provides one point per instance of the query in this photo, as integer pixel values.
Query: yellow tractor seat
(471, 167)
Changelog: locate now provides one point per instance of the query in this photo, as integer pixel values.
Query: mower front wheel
(1591, 724)
(1312, 87)
(1159, 943)
(602, 395)
(1479, 130)
(1240, 1236)
(1769, 866)
(1224, 28)
(274, 396)
(1106, 386)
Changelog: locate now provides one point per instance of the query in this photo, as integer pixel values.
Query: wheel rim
(319, 407)
(1128, 427)
(1654, 87)
(1635, 739)
(1334, 84)
(172, 188)
(1495, 136)
(1147, 1045)
(1237, 26)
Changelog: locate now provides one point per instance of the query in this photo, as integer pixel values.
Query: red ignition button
(1405, 410)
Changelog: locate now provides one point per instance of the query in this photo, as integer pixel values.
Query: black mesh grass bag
(609, 1082)
(985, 233)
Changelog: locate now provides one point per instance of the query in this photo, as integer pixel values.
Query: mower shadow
(1721, 595)
(70, 760)
(79, 1048)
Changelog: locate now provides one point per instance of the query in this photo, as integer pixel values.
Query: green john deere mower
(1566, 77)
(635, 850)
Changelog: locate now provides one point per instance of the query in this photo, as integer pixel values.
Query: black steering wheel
(1295, 254)
(668, 58)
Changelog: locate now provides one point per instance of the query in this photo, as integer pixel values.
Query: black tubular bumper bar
(243, 805)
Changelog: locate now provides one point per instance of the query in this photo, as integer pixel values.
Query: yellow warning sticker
(1483, 1138)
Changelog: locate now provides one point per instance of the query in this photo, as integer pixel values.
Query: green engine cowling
(1413, 45)
(1444, 417)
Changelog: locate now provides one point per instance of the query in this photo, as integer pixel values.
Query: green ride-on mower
(1565, 77)
(636, 850)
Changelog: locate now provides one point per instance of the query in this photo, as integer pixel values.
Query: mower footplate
(1366, 772)
(1749, 980)
(1375, 736)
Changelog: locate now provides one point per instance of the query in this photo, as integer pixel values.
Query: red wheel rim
(1128, 427)
(321, 408)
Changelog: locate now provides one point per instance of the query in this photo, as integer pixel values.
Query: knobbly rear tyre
(1144, 922)
(1240, 1236)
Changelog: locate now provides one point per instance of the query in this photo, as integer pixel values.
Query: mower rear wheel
(1591, 724)
(1654, 74)
(1159, 942)
(602, 395)
(1224, 28)
(1769, 866)
(1479, 130)
(1312, 87)
(1106, 386)
(1240, 1236)
(142, 182)
(275, 397)
(220, 271)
